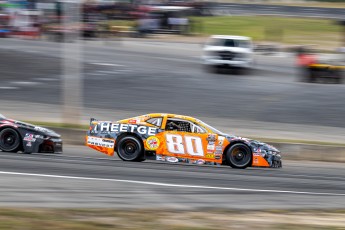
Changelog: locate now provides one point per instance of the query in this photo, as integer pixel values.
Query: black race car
(16, 136)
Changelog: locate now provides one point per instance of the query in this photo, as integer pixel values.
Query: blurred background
(135, 57)
(276, 75)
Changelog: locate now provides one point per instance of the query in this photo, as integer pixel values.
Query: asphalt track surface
(145, 77)
(85, 178)
(263, 9)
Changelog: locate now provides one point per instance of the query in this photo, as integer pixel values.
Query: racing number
(175, 144)
(193, 145)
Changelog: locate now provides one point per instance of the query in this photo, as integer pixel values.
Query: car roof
(170, 115)
(230, 37)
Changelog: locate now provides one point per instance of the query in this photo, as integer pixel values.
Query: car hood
(38, 129)
(254, 144)
(232, 49)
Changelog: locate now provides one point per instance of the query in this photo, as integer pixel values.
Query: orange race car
(177, 138)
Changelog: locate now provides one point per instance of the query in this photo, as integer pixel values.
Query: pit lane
(82, 177)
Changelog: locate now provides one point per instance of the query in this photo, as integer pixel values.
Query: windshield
(214, 130)
(231, 43)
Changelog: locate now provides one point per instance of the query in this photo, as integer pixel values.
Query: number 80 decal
(176, 144)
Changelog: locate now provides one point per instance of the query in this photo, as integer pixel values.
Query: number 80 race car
(177, 138)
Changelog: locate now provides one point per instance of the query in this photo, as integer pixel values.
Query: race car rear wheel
(239, 156)
(130, 148)
(9, 140)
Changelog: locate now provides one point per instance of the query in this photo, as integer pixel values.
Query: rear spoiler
(92, 120)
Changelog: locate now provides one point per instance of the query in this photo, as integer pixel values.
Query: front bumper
(52, 145)
(267, 160)
(242, 63)
(275, 161)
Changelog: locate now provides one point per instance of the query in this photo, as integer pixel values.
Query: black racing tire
(9, 140)
(130, 148)
(239, 156)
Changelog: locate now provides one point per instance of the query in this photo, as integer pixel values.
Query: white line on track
(107, 72)
(106, 64)
(25, 83)
(8, 87)
(172, 185)
(45, 79)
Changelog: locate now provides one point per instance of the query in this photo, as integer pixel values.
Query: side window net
(182, 126)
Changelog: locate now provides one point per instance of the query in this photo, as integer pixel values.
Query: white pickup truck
(228, 51)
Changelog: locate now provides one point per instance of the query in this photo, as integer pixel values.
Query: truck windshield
(231, 43)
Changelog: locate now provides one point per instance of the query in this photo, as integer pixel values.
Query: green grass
(306, 3)
(99, 219)
(289, 30)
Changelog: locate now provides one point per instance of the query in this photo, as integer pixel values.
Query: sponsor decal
(133, 121)
(219, 148)
(211, 138)
(114, 128)
(221, 140)
(29, 137)
(256, 154)
(152, 142)
(256, 160)
(217, 157)
(160, 158)
(171, 159)
(29, 144)
(209, 156)
(41, 129)
(211, 147)
(97, 141)
(200, 162)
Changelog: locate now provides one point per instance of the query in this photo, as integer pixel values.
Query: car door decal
(191, 145)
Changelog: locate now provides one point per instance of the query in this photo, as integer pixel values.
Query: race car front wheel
(239, 156)
(9, 140)
(129, 148)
